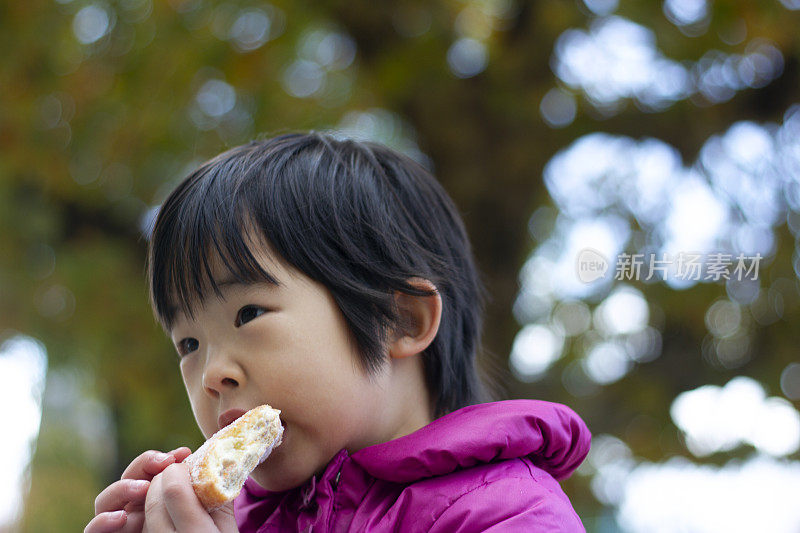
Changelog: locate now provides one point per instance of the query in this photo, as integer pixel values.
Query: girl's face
(287, 346)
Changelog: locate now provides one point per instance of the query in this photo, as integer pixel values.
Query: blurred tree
(107, 105)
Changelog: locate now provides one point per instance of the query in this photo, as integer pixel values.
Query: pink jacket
(489, 466)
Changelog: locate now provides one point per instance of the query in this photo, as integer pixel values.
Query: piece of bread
(219, 468)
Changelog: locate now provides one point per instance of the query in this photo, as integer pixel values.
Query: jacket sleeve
(509, 504)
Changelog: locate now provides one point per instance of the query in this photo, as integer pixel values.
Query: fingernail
(176, 449)
(161, 457)
(116, 515)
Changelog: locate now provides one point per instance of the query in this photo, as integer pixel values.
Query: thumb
(224, 520)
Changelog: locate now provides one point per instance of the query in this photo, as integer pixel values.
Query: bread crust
(260, 428)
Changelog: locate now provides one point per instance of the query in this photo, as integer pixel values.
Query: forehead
(224, 270)
(216, 276)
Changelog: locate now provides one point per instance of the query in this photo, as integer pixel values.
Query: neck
(404, 405)
(410, 401)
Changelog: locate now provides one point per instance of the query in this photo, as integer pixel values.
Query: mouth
(232, 415)
(229, 416)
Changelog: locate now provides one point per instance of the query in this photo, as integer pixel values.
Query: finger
(181, 453)
(106, 522)
(133, 507)
(118, 494)
(183, 506)
(224, 519)
(158, 524)
(147, 465)
(134, 523)
(156, 517)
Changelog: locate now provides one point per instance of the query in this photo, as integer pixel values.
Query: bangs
(200, 230)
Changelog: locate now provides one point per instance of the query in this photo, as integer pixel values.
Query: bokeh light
(573, 317)
(91, 23)
(685, 12)
(253, 27)
(617, 59)
(790, 381)
(624, 311)
(215, 98)
(558, 108)
(723, 318)
(467, 57)
(321, 69)
(23, 366)
(716, 419)
(606, 362)
(383, 126)
(536, 348)
(601, 7)
(759, 494)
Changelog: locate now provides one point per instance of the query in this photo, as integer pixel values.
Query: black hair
(357, 217)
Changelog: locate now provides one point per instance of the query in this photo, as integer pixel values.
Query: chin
(276, 480)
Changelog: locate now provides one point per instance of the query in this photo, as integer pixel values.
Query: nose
(222, 374)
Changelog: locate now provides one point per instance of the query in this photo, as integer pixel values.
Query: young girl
(334, 281)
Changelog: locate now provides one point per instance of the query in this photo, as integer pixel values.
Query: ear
(421, 315)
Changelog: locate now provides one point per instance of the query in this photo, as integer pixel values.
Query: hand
(172, 505)
(120, 507)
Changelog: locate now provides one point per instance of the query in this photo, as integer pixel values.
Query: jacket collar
(550, 434)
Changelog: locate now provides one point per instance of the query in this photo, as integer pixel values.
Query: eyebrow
(228, 282)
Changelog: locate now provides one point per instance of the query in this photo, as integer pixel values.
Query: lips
(229, 416)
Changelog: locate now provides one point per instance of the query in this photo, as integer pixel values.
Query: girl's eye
(248, 313)
(187, 346)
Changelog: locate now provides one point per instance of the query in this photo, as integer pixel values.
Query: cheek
(308, 366)
(289, 346)
(191, 373)
(321, 338)
(194, 390)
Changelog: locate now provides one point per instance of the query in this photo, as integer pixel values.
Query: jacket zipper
(335, 487)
